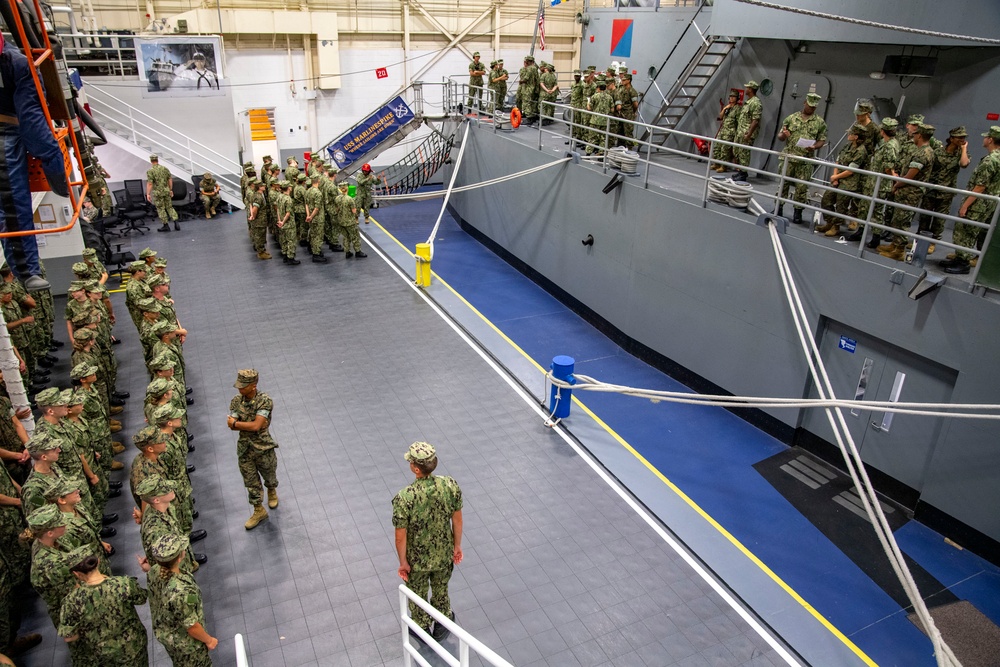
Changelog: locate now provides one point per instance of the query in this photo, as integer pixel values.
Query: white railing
(172, 144)
(465, 640)
(84, 50)
(241, 652)
(647, 152)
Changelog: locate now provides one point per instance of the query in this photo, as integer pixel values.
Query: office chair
(137, 195)
(129, 214)
(179, 198)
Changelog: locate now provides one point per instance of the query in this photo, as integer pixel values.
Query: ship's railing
(647, 164)
(466, 642)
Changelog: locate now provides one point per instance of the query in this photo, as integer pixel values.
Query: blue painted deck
(707, 452)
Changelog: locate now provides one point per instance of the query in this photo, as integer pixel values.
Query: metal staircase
(710, 56)
(141, 134)
(417, 167)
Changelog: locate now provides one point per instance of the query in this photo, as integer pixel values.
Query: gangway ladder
(43, 66)
(689, 85)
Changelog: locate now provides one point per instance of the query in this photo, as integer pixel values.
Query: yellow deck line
(663, 478)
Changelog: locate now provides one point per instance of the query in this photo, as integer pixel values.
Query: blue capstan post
(562, 369)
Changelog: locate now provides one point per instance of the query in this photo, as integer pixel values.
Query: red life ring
(515, 117)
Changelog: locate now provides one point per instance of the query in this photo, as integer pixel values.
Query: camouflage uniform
(103, 616)
(852, 156)
(527, 91)
(291, 170)
(256, 451)
(36, 487)
(15, 556)
(83, 441)
(288, 233)
(258, 226)
(349, 222)
(499, 88)
(944, 172)
(800, 127)
(50, 577)
(175, 603)
(70, 464)
(425, 509)
(727, 132)
(600, 102)
(549, 79)
(922, 159)
(987, 174)
(82, 532)
(209, 201)
(331, 226)
(363, 196)
(578, 100)
(299, 206)
(476, 82)
(142, 468)
(156, 524)
(316, 228)
(161, 193)
(753, 110)
(628, 99)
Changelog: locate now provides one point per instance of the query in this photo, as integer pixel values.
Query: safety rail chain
(466, 641)
(172, 145)
(646, 150)
(416, 168)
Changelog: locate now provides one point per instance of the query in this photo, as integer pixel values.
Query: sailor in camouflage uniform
(527, 91)
(176, 605)
(316, 218)
(748, 128)
(498, 82)
(50, 575)
(159, 518)
(985, 179)
(289, 234)
(45, 451)
(601, 102)
(476, 72)
(291, 169)
(366, 181)
(98, 616)
(730, 117)
(427, 516)
(549, 85)
(948, 160)
(81, 528)
(852, 156)
(257, 216)
(915, 164)
(301, 184)
(209, 192)
(349, 223)
(159, 191)
(250, 413)
(808, 127)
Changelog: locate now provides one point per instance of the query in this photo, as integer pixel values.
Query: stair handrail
(227, 161)
(223, 179)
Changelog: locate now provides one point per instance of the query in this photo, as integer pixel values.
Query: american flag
(541, 29)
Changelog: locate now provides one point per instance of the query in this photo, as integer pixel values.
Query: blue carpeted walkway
(707, 452)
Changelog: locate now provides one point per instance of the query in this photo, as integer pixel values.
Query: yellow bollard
(423, 265)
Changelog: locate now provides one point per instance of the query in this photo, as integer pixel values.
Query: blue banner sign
(848, 344)
(370, 132)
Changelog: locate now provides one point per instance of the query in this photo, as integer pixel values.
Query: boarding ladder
(693, 79)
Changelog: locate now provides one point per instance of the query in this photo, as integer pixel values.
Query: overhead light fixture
(878, 76)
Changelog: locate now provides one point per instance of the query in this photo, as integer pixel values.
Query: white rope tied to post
(587, 383)
(418, 196)
(447, 194)
(845, 442)
(852, 459)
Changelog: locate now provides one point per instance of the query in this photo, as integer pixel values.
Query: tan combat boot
(833, 231)
(115, 427)
(114, 422)
(272, 498)
(117, 410)
(117, 465)
(263, 254)
(259, 514)
(117, 447)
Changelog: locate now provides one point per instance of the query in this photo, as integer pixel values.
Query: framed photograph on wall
(180, 66)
